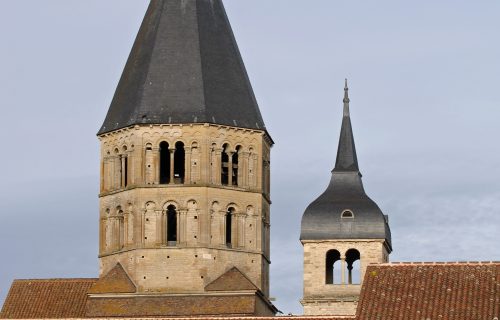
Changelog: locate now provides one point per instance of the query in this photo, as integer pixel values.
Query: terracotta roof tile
(115, 281)
(232, 280)
(411, 291)
(51, 298)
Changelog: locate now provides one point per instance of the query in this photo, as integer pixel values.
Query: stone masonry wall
(134, 205)
(335, 299)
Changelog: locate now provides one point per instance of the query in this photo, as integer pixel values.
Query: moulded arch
(226, 146)
(353, 267)
(232, 205)
(250, 210)
(192, 204)
(150, 205)
(215, 206)
(170, 203)
(163, 140)
(347, 214)
(333, 269)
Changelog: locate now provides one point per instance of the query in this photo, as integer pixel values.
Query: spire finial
(346, 100)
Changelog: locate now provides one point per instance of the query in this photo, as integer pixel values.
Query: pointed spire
(347, 159)
(185, 67)
(346, 100)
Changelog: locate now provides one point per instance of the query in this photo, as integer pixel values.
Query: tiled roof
(115, 281)
(51, 298)
(444, 291)
(232, 280)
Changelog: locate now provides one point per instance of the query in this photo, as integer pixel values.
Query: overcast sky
(425, 105)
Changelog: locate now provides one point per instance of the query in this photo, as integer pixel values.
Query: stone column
(222, 229)
(241, 230)
(187, 165)
(349, 273)
(342, 271)
(123, 159)
(159, 229)
(230, 168)
(181, 227)
(102, 235)
(217, 163)
(172, 159)
(116, 234)
(156, 164)
(126, 229)
(243, 169)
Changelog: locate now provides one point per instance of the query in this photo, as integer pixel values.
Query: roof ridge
(415, 263)
(57, 279)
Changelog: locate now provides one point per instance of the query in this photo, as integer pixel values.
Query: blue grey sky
(425, 104)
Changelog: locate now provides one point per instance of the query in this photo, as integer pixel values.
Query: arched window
(235, 165)
(229, 226)
(164, 163)
(333, 269)
(171, 225)
(125, 174)
(225, 165)
(179, 165)
(121, 236)
(352, 259)
(347, 214)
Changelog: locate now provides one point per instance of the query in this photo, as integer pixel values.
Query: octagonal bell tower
(185, 174)
(342, 232)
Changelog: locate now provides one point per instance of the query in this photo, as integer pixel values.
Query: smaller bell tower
(342, 232)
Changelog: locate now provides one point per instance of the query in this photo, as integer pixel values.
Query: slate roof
(184, 67)
(322, 219)
(444, 291)
(51, 298)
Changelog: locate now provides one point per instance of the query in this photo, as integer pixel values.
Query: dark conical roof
(322, 220)
(185, 67)
(347, 160)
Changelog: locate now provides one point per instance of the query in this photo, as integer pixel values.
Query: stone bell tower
(185, 164)
(343, 231)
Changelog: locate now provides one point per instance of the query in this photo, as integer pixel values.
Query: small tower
(343, 231)
(185, 164)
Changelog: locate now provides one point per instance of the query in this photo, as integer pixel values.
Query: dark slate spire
(346, 153)
(185, 67)
(322, 220)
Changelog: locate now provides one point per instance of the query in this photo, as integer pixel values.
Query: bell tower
(185, 174)
(342, 232)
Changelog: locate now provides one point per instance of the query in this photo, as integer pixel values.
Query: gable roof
(115, 281)
(51, 298)
(415, 291)
(232, 280)
(184, 67)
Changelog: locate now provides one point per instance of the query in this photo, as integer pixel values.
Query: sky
(425, 106)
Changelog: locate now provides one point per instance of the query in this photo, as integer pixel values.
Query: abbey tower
(342, 232)
(185, 164)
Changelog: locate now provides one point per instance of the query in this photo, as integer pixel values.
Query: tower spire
(347, 159)
(346, 100)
